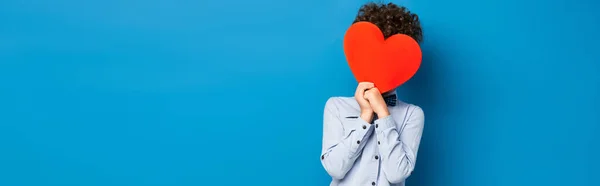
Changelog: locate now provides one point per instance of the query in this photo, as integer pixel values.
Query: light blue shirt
(356, 153)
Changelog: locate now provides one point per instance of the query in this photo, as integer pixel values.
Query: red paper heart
(387, 63)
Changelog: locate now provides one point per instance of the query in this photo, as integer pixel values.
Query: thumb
(367, 94)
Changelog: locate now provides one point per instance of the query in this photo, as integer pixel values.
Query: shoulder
(341, 104)
(338, 100)
(411, 110)
(416, 111)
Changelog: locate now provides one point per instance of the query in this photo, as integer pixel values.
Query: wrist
(366, 111)
(367, 116)
(383, 113)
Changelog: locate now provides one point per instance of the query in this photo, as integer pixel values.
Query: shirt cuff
(383, 124)
(362, 131)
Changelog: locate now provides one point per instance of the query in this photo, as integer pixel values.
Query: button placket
(377, 164)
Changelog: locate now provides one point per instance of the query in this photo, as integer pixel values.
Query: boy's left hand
(377, 103)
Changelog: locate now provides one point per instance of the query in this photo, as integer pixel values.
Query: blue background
(163, 92)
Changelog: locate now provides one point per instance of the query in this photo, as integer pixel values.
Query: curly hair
(391, 19)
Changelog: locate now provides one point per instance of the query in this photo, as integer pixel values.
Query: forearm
(339, 158)
(398, 146)
(396, 163)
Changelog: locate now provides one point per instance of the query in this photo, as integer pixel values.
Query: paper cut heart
(388, 63)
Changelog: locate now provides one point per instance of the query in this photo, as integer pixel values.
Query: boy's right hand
(366, 112)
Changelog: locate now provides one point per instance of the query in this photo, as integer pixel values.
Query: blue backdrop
(160, 92)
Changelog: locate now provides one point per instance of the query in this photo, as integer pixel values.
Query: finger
(362, 86)
(372, 93)
(359, 96)
(359, 92)
(374, 90)
(367, 94)
(366, 85)
(359, 88)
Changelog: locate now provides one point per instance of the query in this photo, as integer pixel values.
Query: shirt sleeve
(398, 147)
(343, 140)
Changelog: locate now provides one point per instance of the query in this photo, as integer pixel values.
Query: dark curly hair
(391, 19)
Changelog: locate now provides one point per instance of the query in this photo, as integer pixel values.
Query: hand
(376, 102)
(366, 113)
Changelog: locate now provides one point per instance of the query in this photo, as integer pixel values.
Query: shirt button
(358, 142)
(376, 157)
(322, 157)
(378, 143)
(376, 125)
(364, 127)
(372, 183)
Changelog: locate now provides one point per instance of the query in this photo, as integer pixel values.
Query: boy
(373, 138)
